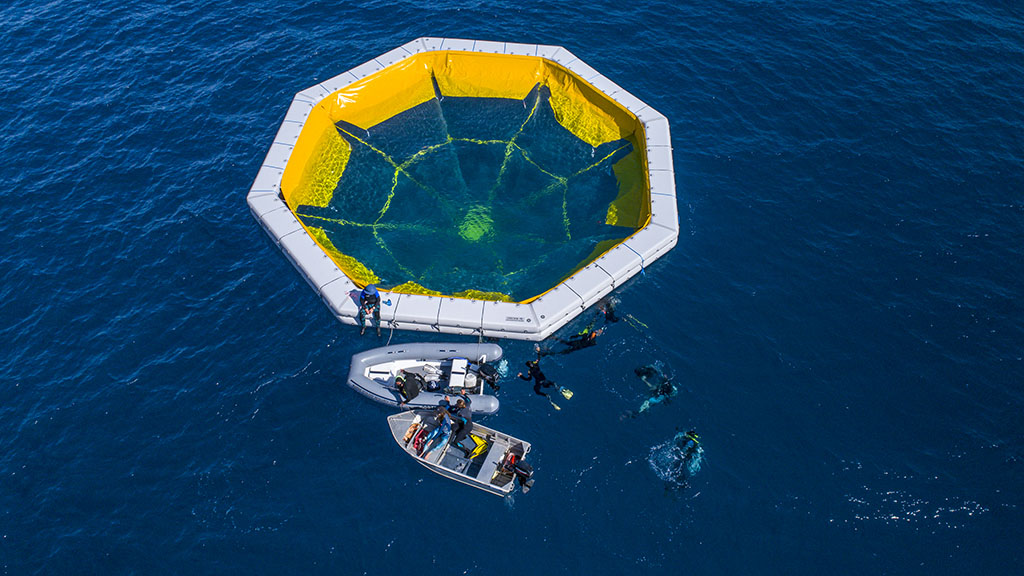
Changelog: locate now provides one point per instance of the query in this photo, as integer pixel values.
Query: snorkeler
(660, 386)
(606, 308)
(691, 444)
(677, 460)
(584, 339)
(539, 380)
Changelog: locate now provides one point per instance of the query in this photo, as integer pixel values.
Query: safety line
(385, 226)
(642, 272)
(509, 147)
(398, 168)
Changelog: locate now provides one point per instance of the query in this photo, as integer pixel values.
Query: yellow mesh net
(353, 268)
(414, 288)
(321, 154)
(481, 295)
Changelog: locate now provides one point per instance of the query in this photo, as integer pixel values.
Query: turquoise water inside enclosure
(487, 194)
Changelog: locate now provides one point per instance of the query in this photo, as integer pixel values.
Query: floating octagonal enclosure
(351, 152)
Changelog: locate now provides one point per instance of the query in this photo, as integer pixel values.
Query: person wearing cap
(369, 303)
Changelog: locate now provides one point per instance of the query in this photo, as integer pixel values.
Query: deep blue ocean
(843, 311)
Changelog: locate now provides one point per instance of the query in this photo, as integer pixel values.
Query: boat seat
(380, 375)
(457, 379)
(489, 469)
(453, 460)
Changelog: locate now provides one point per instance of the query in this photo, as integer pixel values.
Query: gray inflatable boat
(436, 370)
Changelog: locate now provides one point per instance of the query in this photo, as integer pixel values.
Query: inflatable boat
(420, 375)
(495, 462)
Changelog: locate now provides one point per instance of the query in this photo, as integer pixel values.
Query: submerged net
(464, 185)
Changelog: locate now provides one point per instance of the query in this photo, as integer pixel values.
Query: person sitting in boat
(443, 432)
(490, 374)
(400, 385)
(408, 386)
(584, 339)
(369, 304)
(462, 422)
(539, 380)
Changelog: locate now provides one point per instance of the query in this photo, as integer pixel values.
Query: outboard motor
(516, 469)
(524, 474)
(489, 373)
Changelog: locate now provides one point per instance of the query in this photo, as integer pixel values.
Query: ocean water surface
(842, 313)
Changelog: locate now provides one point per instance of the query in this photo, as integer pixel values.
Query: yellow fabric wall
(632, 207)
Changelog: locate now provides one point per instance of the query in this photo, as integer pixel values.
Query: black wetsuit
(579, 342)
(572, 344)
(665, 389)
(609, 314)
(462, 424)
(539, 380)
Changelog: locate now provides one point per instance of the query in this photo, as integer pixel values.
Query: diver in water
(689, 443)
(539, 380)
(677, 460)
(369, 304)
(588, 336)
(690, 452)
(584, 339)
(606, 308)
(660, 386)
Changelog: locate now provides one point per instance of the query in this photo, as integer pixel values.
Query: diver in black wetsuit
(691, 444)
(607, 308)
(539, 380)
(661, 389)
(584, 339)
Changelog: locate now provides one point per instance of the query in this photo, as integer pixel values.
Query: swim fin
(566, 393)
(555, 406)
(481, 445)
